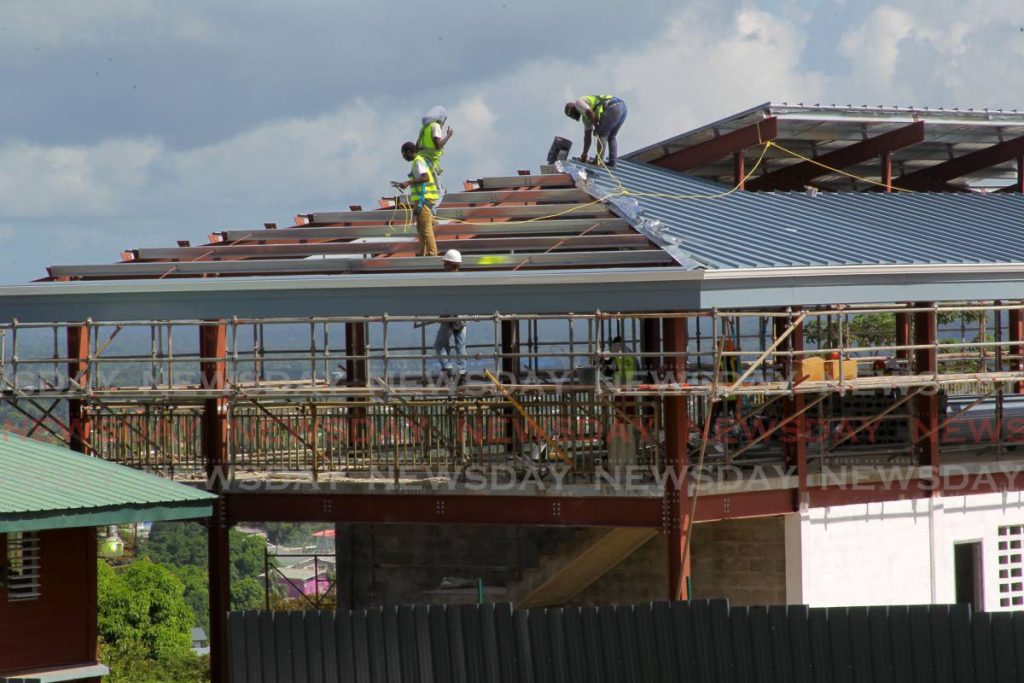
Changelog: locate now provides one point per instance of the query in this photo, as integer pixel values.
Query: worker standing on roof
(423, 196)
(430, 142)
(603, 115)
(451, 331)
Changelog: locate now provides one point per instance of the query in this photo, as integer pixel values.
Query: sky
(130, 123)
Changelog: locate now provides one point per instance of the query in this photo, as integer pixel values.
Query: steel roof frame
(469, 245)
(554, 226)
(351, 265)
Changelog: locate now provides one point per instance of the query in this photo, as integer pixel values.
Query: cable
(837, 170)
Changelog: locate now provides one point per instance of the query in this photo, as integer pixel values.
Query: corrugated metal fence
(709, 642)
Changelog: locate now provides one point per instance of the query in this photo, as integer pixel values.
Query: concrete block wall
(387, 564)
(743, 560)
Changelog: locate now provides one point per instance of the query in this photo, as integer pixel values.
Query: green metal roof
(43, 486)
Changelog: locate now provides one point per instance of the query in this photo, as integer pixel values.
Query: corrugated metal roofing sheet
(792, 229)
(43, 486)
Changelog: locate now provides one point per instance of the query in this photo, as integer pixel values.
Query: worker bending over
(451, 331)
(430, 142)
(601, 114)
(423, 197)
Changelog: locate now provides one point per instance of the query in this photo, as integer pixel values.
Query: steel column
(795, 440)
(510, 368)
(887, 171)
(903, 335)
(78, 418)
(677, 523)
(739, 172)
(926, 363)
(1016, 334)
(213, 374)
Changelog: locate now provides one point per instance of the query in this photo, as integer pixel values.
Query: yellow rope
(809, 160)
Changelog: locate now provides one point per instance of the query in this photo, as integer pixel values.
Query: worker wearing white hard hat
(451, 332)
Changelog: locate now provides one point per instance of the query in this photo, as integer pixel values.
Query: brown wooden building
(51, 501)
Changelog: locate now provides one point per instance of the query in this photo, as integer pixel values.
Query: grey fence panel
(704, 641)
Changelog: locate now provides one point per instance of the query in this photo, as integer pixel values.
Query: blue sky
(131, 123)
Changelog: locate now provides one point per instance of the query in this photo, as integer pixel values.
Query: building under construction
(824, 312)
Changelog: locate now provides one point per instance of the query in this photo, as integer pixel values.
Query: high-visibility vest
(426, 146)
(597, 103)
(423, 193)
(625, 369)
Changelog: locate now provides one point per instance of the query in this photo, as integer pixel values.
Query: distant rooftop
(930, 149)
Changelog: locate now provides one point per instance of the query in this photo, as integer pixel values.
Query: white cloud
(38, 181)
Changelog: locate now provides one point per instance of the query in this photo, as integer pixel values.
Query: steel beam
(720, 146)
(213, 375)
(926, 363)
(507, 212)
(511, 196)
(478, 245)
(402, 508)
(963, 165)
(677, 524)
(558, 226)
(324, 266)
(796, 176)
(546, 180)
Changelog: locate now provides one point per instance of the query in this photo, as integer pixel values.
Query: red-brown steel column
(794, 435)
(926, 363)
(887, 171)
(1016, 334)
(78, 418)
(356, 373)
(677, 429)
(213, 373)
(511, 370)
(903, 335)
(739, 172)
(1019, 185)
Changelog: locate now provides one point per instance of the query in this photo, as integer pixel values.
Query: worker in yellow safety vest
(603, 115)
(619, 366)
(430, 143)
(423, 196)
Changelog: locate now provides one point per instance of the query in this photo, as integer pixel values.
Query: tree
(182, 547)
(145, 625)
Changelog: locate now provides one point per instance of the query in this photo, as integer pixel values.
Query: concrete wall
(743, 560)
(901, 552)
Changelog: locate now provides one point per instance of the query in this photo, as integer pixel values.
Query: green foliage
(182, 547)
(145, 624)
(292, 535)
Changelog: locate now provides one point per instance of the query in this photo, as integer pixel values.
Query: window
(22, 566)
(1011, 566)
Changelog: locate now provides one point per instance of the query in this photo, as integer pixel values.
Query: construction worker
(451, 331)
(601, 114)
(423, 196)
(619, 366)
(430, 143)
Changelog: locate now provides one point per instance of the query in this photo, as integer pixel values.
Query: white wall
(898, 552)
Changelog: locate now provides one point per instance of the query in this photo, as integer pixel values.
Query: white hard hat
(452, 256)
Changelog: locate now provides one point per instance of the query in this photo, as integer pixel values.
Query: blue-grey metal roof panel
(792, 229)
